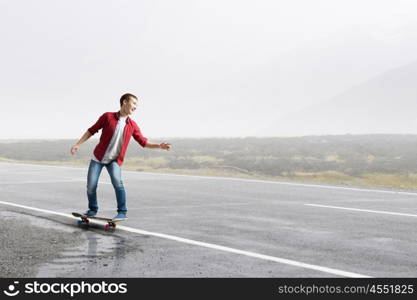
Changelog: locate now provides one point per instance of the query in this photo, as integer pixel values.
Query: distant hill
(384, 104)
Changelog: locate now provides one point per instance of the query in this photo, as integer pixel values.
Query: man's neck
(122, 114)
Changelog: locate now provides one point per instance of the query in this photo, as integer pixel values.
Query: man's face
(130, 106)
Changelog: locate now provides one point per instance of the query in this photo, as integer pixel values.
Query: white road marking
(364, 210)
(334, 187)
(288, 183)
(40, 181)
(49, 181)
(220, 205)
(38, 209)
(209, 245)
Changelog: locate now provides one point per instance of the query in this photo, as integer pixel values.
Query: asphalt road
(190, 226)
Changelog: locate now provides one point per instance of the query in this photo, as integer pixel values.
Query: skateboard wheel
(83, 221)
(110, 226)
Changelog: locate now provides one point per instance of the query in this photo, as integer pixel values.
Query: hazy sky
(200, 68)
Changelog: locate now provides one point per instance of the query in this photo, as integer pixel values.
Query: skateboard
(111, 223)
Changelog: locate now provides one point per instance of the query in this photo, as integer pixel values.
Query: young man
(117, 129)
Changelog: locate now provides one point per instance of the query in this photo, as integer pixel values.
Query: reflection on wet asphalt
(88, 250)
(93, 255)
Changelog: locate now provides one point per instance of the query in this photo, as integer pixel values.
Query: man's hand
(74, 149)
(165, 146)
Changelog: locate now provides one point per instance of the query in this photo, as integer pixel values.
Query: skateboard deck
(111, 223)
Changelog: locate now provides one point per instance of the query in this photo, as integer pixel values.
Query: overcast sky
(200, 68)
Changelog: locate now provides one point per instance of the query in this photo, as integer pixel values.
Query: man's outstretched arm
(85, 137)
(163, 146)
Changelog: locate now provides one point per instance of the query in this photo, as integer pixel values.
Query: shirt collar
(117, 116)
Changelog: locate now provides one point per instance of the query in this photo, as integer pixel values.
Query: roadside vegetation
(362, 160)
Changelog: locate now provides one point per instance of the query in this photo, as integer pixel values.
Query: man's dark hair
(127, 97)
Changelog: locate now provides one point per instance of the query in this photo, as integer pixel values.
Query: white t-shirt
(116, 143)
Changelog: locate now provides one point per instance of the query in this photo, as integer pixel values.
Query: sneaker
(120, 216)
(90, 213)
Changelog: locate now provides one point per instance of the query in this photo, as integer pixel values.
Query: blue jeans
(115, 173)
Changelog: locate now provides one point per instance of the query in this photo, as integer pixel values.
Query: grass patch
(158, 165)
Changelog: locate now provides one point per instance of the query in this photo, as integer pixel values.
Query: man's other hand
(165, 146)
(74, 149)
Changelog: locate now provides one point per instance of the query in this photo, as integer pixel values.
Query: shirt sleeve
(137, 135)
(98, 125)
